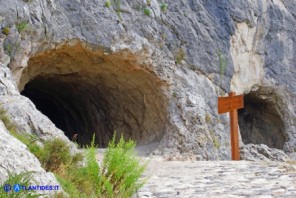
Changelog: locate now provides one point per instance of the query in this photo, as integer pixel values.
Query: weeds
(22, 179)
(121, 170)
(119, 175)
(8, 48)
(222, 64)
(164, 7)
(118, 8)
(216, 143)
(6, 31)
(208, 118)
(147, 11)
(180, 56)
(22, 26)
(6, 120)
(108, 4)
(148, 2)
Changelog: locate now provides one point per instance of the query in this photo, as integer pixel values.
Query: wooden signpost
(231, 104)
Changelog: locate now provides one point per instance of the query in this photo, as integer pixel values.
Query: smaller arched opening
(261, 122)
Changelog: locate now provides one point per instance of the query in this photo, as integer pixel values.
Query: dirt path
(218, 179)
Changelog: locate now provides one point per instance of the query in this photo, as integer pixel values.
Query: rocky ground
(219, 179)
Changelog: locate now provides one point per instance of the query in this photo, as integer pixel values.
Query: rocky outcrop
(255, 152)
(156, 78)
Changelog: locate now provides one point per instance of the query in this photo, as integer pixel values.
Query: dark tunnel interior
(260, 122)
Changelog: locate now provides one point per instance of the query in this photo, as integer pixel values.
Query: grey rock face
(255, 152)
(182, 60)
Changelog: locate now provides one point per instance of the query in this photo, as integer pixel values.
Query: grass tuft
(164, 7)
(147, 11)
(108, 4)
(180, 56)
(6, 30)
(21, 179)
(22, 26)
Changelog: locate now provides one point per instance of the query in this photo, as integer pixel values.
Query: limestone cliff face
(155, 76)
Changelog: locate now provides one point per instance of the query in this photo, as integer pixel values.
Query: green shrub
(108, 4)
(21, 179)
(164, 7)
(180, 56)
(8, 48)
(208, 118)
(119, 175)
(117, 4)
(148, 2)
(6, 120)
(6, 30)
(216, 143)
(147, 11)
(22, 26)
(121, 170)
(222, 64)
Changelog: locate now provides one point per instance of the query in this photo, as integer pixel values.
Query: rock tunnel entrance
(260, 121)
(85, 91)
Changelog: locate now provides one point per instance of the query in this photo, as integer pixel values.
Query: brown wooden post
(234, 132)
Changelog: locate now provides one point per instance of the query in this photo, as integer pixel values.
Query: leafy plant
(119, 175)
(208, 118)
(22, 26)
(108, 4)
(118, 8)
(6, 120)
(6, 30)
(21, 179)
(164, 7)
(180, 56)
(222, 63)
(216, 143)
(121, 170)
(148, 2)
(56, 156)
(147, 11)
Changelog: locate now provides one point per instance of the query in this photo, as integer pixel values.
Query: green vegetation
(222, 64)
(117, 4)
(8, 48)
(164, 7)
(180, 56)
(22, 179)
(121, 170)
(216, 142)
(147, 11)
(148, 2)
(119, 175)
(174, 94)
(22, 26)
(6, 120)
(208, 118)
(6, 30)
(108, 4)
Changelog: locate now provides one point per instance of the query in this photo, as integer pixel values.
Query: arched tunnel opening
(260, 121)
(85, 92)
